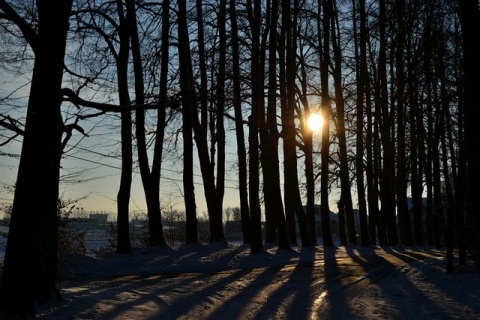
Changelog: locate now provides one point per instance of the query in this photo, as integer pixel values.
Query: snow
(220, 281)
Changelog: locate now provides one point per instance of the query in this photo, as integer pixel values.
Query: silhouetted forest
(395, 81)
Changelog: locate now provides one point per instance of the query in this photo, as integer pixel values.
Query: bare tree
(341, 134)
(269, 136)
(470, 22)
(240, 135)
(287, 53)
(327, 6)
(387, 175)
(405, 227)
(31, 257)
(188, 110)
(361, 79)
(254, 17)
(150, 178)
(212, 195)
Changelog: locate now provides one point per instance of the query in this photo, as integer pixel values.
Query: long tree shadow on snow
(389, 262)
(280, 290)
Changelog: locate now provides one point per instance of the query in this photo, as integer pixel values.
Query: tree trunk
(257, 102)
(450, 225)
(307, 138)
(326, 106)
(460, 197)
(161, 114)
(290, 220)
(220, 126)
(342, 143)
(387, 175)
(342, 234)
(31, 257)
(291, 188)
(212, 197)
(151, 186)
(202, 66)
(362, 78)
(270, 161)
(438, 220)
(416, 138)
(123, 196)
(415, 120)
(188, 108)
(470, 22)
(376, 227)
(406, 237)
(240, 135)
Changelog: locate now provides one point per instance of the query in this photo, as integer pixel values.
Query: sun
(315, 121)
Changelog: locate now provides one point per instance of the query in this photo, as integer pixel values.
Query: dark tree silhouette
(188, 110)
(126, 18)
(212, 195)
(269, 137)
(361, 78)
(470, 22)
(346, 187)
(287, 47)
(31, 257)
(387, 194)
(327, 6)
(150, 177)
(254, 17)
(240, 135)
(406, 236)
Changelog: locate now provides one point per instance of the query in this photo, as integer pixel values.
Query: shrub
(70, 240)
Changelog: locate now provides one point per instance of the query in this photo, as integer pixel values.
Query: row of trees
(396, 82)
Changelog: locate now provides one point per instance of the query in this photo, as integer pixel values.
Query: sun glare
(315, 122)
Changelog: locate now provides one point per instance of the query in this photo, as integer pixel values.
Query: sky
(91, 165)
(94, 179)
(227, 282)
(91, 171)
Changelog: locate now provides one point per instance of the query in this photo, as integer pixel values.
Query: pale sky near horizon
(102, 177)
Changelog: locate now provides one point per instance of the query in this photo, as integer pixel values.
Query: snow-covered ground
(227, 282)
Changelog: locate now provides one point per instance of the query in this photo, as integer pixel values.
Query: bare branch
(11, 124)
(106, 107)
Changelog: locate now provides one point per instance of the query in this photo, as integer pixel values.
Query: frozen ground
(226, 282)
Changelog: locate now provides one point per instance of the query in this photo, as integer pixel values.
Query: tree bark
(31, 257)
(270, 160)
(326, 111)
(254, 14)
(387, 194)
(342, 143)
(470, 22)
(150, 182)
(188, 110)
(123, 195)
(406, 237)
(220, 125)
(240, 135)
(362, 78)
